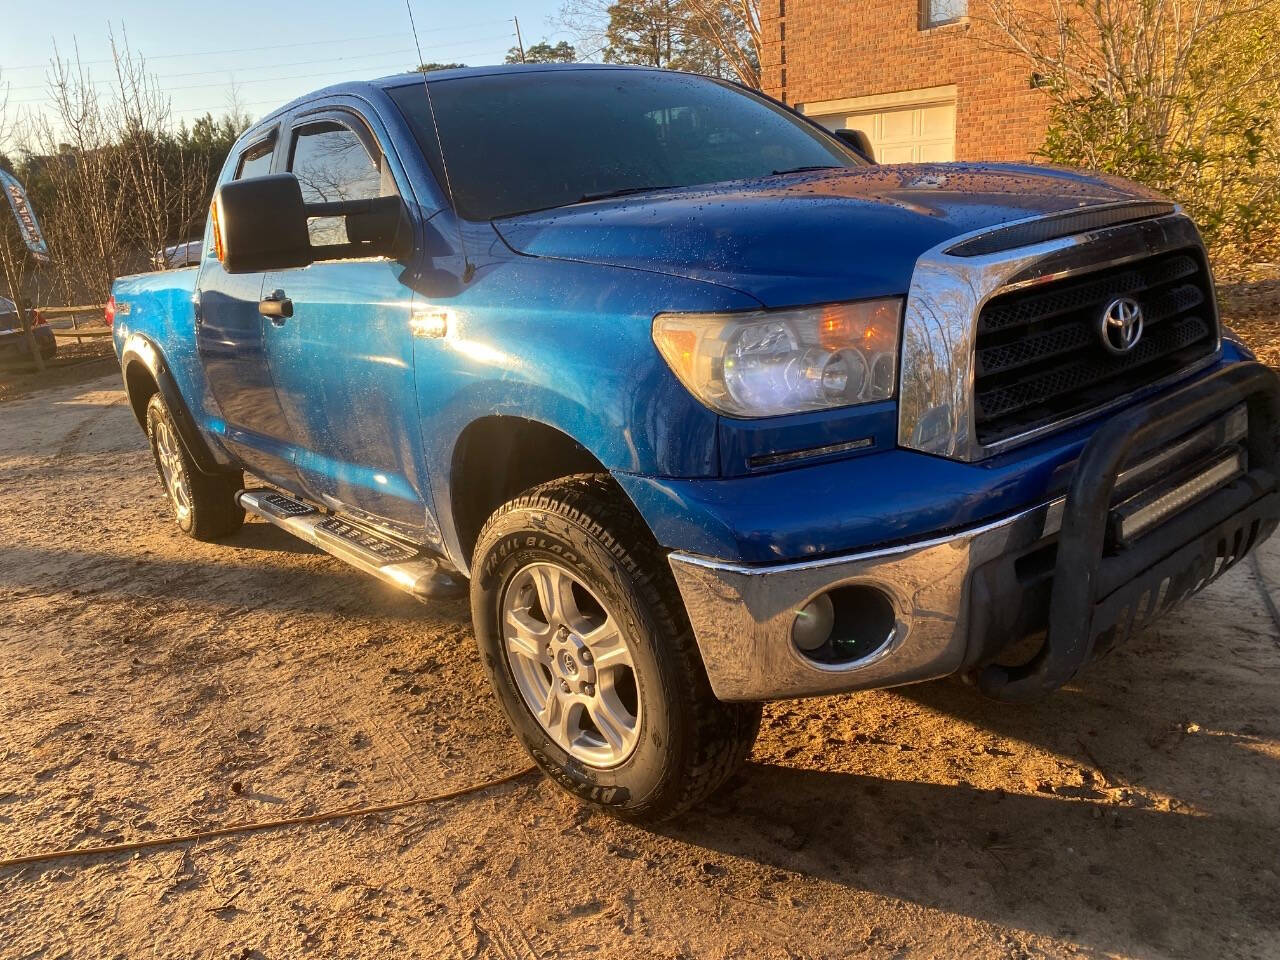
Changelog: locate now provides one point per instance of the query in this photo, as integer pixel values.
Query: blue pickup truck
(701, 405)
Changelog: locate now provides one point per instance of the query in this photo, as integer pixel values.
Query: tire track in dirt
(406, 764)
(481, 932)
(507, 933)
(71, 440)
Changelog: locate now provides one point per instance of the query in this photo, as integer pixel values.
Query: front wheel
(585, 639)
(204, 504)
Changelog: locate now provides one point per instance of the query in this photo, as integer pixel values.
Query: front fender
(599, 429)
(569, 345)
(566, 345)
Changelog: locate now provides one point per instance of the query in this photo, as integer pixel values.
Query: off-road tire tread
(722, 734)
(216, 514)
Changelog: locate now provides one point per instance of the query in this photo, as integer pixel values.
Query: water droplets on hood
(821, 235)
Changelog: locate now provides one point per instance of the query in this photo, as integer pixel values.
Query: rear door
(229, 337)
(342, 364)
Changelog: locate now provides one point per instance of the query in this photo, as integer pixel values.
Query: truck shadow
(292, 577)
(1133, 812)
(271, 539)
(1138, 882)
(1125, 734)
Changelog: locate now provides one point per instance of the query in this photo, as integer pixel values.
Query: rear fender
(138, 349)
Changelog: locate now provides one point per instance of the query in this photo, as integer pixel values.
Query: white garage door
(900, 132)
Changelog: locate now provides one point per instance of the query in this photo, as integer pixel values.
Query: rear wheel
(204, 504)
(585, 639)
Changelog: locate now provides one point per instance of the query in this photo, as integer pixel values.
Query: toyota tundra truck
(699, 404)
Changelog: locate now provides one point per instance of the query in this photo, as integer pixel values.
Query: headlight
(767, 363)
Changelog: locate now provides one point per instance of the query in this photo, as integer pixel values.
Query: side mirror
(858, 142)
(260, 224)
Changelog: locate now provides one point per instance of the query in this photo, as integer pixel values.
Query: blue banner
(28, 225)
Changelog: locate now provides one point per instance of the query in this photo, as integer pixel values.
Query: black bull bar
(1092, 593)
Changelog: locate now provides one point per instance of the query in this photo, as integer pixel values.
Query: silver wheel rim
(571, 664)
(172, 471)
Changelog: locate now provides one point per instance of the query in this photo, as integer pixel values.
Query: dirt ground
(152, 686)
(1251, 307)
(75, 362)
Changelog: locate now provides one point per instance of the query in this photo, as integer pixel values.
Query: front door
(229, 338)
(342, 364)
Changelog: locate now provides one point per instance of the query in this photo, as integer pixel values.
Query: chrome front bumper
(1163, 499)
(742, 616)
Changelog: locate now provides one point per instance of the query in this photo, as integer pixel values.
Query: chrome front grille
(1002, 347)
(1039, 353)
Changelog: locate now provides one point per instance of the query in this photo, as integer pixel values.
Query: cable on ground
(110, 849)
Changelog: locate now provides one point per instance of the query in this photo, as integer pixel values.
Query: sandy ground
(151, 686)
(1251, 307)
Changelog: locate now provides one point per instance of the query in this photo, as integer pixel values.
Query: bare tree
(86, 213)
(140, 115)
(1178, 94)
(721, 37)
(118, 182)
(13, 253)
(236, 114)
(733, 28)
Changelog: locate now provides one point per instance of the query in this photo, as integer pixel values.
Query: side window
(256, 161)
(332, 164)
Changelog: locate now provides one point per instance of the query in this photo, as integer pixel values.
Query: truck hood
(808, 238)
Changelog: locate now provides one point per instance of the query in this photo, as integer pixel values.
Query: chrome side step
(413, 571)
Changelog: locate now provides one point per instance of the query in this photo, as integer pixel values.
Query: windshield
(520, 142)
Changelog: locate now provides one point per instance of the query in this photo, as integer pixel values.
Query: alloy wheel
(172, 469)
(572, 664)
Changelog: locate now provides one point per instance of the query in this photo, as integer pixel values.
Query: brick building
(915, 75)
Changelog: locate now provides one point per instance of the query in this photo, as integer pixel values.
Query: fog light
(844, 625)
(813, 624)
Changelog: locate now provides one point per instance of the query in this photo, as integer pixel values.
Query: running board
(413, 571)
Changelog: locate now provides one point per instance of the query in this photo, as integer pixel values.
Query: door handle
(276, 306)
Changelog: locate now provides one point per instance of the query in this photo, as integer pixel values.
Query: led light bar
(1133, 521)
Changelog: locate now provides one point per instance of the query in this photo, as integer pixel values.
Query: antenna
(519, 39)
(468, 268)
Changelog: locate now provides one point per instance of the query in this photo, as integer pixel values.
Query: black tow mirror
(858, 142)
(260, 224)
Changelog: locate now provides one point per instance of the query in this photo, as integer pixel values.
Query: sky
(272, 50)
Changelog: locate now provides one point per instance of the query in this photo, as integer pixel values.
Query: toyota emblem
(1121, 325)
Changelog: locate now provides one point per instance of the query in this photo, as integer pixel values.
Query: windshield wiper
(625, 191)
(821, 166)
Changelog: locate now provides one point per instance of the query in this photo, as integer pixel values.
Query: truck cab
(698, 405)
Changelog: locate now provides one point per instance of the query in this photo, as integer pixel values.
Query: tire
(670, 742)
(204, 504)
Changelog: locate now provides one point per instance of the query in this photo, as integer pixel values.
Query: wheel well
(140, 386)
(498, 458)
